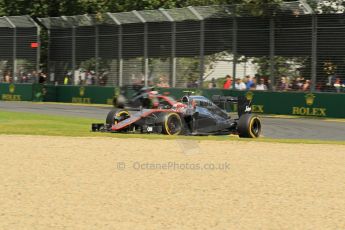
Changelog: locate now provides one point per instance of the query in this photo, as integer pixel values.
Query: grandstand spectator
(306, 85)
(34, 76)
(337, 85)
(254, 83)
(29, 78)
(214, 83)
(22, 77)
(82, 77)
(239, 85)
(15, 78)
(269, 85)
(293, 84)
(297, 84)
(228, 82)
(51, 77)
(103, 78)
(66, 80)
(7, 77)
(283, 85)
(300, 83)
(42, 78)
(89, 78)
(261, 85)
(163, 82)
(320, 86)
(331, 80)
(249, 81)
(93, 78)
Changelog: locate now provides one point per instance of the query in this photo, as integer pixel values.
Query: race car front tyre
(115, 116)
(249, 126)
(172, 124)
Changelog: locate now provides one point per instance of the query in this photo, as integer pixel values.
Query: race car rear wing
(225, 102)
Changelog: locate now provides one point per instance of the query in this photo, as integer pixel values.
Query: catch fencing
(19, 49)
(287, 47)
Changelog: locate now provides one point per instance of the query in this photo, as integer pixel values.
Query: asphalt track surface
(282, 128)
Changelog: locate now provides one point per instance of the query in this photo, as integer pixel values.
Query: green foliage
(219, 82)
(283, 66)
(331, 6)
(52, 8)
(25, 65)
(259, 8)
(90, 64)
(188, 69)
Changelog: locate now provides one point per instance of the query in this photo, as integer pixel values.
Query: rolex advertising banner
(85, 94)
(15, 92)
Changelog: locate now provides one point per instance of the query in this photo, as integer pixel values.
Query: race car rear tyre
(172, 124)
(116, 115)
(249, 126)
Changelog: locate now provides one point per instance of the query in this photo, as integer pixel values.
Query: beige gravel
(75, 183)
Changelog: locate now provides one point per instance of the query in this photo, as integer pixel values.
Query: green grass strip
(18, 123)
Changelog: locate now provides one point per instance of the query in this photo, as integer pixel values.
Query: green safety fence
(284, 103)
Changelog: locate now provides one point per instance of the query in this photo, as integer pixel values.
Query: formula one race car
(142, 97)
(194, 115)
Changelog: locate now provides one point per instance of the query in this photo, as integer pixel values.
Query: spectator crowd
(283, 83)
(334, 83)
(247, 83)
(24, 77)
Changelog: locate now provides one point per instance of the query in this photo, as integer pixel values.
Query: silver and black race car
(193, 115)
